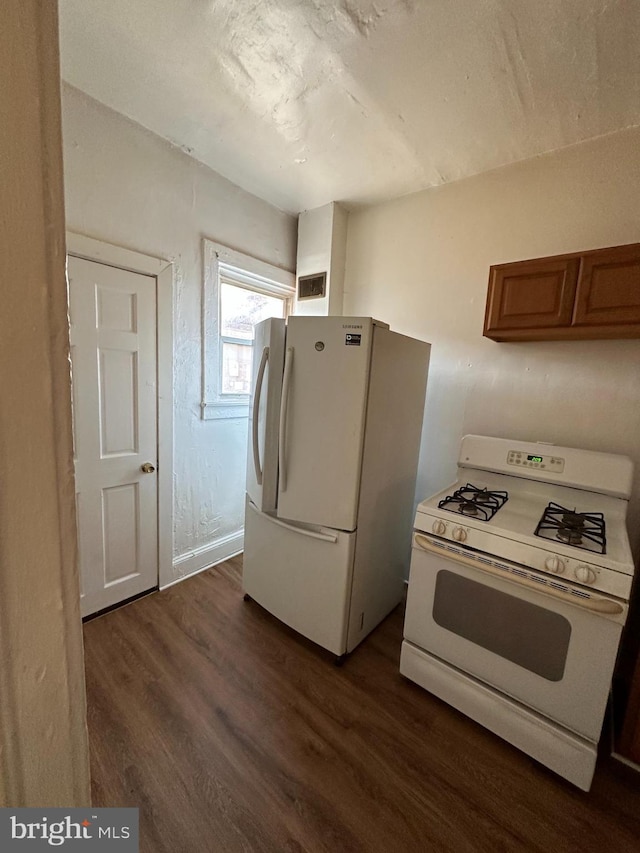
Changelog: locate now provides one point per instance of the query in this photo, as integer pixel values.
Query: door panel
(301, 576)
(117, 378)
(501, 635)
(531, 295)
(113, 337)
(325, 413)
(262, 456)
(609, 288)
(116, 310)
(120, 524)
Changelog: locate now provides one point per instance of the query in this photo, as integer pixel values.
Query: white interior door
(113, 349)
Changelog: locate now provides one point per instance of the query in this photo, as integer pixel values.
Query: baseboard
(626, 761)
(204, 557)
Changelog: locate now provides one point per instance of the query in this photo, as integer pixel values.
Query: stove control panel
(564, 571)
(522, 459)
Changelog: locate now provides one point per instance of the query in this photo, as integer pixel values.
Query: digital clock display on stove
(547, 463)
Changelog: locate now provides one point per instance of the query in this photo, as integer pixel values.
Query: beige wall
(421, 264)
(43, 739)
(124, 185)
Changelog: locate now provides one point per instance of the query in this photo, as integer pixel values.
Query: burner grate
(586, 530)
(474, 502)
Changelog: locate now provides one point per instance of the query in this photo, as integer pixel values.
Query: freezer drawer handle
(604, 606)
(256, 411)
(282, 434)
(312, 534)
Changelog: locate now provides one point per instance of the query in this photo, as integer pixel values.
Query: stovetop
(520, 514)
(584, 530)
(558, 510)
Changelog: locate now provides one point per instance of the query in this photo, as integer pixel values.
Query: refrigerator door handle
(282, 434)
(312, 534)
(256, 410)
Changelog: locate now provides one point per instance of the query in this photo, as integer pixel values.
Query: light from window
(236, 368)
(240, 310)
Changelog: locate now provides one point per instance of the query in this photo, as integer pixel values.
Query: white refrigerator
(334, 436)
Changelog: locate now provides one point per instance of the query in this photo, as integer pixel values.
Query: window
(239, 292)
(240, 309)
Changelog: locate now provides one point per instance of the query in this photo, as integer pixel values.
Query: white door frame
(162, 270)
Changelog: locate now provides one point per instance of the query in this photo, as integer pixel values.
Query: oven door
(542, 648)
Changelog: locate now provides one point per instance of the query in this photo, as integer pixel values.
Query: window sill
(224, 410)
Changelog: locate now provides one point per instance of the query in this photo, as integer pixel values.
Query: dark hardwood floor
(231, 733)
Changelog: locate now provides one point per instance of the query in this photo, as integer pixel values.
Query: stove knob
(555, 565)
(439, 528)
(585, 574)
(459, 534)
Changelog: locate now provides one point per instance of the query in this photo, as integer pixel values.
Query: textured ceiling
(308, 101)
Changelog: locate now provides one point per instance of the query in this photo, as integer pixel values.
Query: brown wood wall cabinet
(581, 296)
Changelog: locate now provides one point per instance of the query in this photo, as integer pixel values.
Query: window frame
(222, 264)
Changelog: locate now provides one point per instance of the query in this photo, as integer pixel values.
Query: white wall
(125, 185)
(322, 246)
(44, 750)
(421, 264)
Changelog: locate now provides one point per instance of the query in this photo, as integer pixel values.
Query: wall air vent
(312, 286)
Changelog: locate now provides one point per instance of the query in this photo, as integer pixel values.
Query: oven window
(524, 633)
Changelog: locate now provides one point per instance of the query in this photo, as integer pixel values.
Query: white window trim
(223, 262)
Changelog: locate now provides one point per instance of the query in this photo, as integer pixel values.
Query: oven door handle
(603, 606)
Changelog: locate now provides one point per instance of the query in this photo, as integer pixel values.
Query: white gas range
(520, 579)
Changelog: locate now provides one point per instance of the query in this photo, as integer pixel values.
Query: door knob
(147, 468)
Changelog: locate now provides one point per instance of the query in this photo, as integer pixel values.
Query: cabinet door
(609, 288)
(530, 295)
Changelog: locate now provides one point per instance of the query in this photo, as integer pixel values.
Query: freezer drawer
(301, 575)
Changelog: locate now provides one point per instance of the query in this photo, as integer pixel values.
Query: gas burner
(468, 508)
(472, 501)
(584, 530)
(571, 537)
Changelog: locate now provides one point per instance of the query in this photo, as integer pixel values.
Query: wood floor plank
(232, 733)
